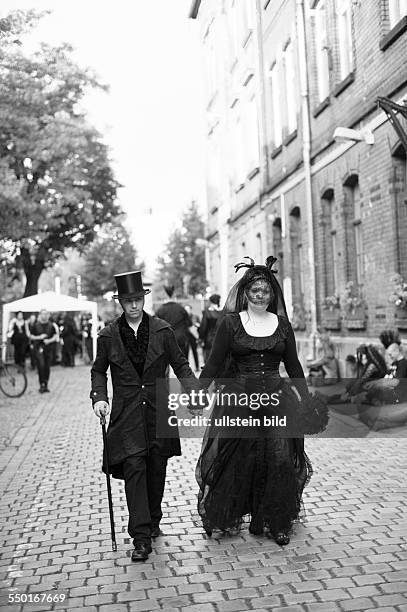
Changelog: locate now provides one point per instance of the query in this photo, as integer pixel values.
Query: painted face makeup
(259, 293)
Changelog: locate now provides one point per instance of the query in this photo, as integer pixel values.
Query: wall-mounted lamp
(342, 133)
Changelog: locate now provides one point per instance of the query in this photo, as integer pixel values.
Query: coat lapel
(155, 348)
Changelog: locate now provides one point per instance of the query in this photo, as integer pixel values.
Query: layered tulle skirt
(256, 477)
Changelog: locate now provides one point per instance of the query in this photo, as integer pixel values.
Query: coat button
(142, 386)
(144, 403)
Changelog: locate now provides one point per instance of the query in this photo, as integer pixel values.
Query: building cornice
(193, 11)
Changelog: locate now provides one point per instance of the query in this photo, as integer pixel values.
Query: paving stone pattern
(349, 554)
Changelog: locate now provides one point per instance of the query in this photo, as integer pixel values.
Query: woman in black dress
(253, 472)
(18, 338)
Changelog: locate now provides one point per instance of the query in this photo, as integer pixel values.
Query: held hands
(198, 401)
(195, 411)
(101, 408)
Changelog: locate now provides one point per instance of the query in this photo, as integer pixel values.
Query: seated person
(351, 366)
(324, 369)
(389, 336)
(393, 389)
(371, 369)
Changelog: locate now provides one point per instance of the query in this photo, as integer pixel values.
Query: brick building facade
(288, 75)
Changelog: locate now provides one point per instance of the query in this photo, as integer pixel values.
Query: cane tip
(114, 547)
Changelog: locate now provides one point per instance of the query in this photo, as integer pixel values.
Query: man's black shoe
(141, 551)
(46, 390)
(156, 532)
(42, 389)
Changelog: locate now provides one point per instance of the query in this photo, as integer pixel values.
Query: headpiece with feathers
(237, 301)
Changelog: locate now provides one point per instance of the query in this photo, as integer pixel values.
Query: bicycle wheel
(13, 380)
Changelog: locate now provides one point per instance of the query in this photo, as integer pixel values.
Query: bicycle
(13, 379)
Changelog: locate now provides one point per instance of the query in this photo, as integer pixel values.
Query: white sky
(147, 51)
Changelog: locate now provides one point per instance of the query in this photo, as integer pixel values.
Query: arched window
(278, 247)
(329, 246)
(356, 254)
(400, 206)
(296, 255)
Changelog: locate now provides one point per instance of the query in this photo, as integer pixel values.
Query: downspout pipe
(263, 131)
(306, 152)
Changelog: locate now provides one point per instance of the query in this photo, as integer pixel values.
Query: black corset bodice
(256, 360)
(258, 363)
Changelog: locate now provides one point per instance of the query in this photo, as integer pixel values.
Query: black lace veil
(237, 300)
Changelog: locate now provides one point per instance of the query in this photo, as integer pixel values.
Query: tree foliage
(183, 264)
(57, 184)
(111, 253)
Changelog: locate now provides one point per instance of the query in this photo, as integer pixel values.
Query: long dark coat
(136, 405)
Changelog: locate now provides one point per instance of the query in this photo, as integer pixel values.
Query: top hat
(129, 285)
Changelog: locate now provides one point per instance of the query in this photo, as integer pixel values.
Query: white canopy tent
(53, 302)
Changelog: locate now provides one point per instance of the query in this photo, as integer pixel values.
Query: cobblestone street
(349, 554)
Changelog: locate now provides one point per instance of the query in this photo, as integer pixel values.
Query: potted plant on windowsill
(331, 313)
(354, 308)
(399, 298)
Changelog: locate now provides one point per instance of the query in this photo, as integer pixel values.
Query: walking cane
(109, 489)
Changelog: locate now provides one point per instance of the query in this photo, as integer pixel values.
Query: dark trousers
(20, 348)
(68, 352)
(32, 358)
(194, 348)
(144, 478)
(43, 360)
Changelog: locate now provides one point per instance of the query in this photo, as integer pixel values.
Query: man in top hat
(138, 349)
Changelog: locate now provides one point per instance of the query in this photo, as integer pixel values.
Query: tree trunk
(32, 272)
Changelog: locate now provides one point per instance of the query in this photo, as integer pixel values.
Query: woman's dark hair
(373, 356)
(389, 336)
(215, 299)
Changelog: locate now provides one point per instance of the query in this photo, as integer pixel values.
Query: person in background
(18, 338)
(87, 346)
(68, 335)
(371, 370)
(55, 348)
(394, 388)
(324, 369)
(44, 335)
(210, 318)
(389, 336)
(29, 328)
(193, 334)
(173, 313)
(351, 367)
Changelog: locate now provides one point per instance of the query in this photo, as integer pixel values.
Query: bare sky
(147, 51)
